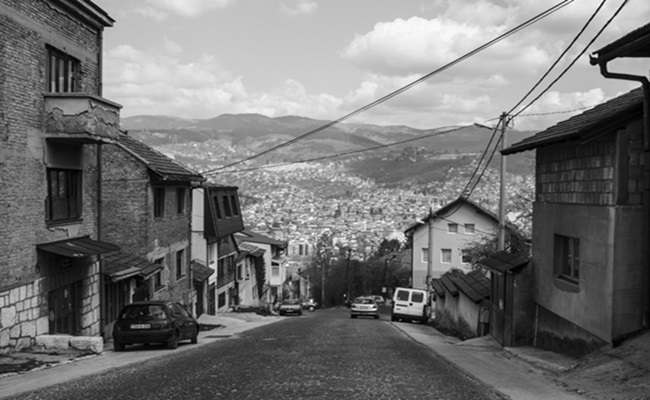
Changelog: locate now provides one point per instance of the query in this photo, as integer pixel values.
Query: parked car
(290, 306)
(410, 305)
(364, 307)
(154, 322)
(379, 299)
(310, 305)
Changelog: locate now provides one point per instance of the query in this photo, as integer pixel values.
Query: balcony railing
(83, 114)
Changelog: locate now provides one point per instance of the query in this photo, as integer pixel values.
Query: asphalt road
(320, 355)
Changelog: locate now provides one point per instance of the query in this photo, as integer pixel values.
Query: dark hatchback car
(154, 322)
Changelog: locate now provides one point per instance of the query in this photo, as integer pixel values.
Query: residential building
(53, 123)
(250, 271)
(589, 256)
(274, 263)
(455, 226)
(216, 217)
(146, 211)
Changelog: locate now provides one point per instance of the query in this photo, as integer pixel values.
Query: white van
(410, 304)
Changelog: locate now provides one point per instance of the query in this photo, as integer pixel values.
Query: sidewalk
(519, 373)
(74, 365)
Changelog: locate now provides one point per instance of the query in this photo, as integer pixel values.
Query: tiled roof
(448, 284)
(592, 121)
(119, 265)
(166, 168)
(474, 284)
(438, 288)
(249, 249)
(633, 44)
(200, 272)
(504, 261)
(249, 236)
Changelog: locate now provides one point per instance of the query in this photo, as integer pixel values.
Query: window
(452, 228)
(226, 206)
(158, 202)
(62, 72)
(233, 203)
(464, 257)
(180, 200)
(221, 267)
(275, 270)
(425, 254)
(180, 262)
(567, 258)
(470, 229)
(445, 256)
(158, 281)
(215, 200)
(63, 194)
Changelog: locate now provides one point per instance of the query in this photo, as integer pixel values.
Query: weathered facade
(53, 122)
(588, 227)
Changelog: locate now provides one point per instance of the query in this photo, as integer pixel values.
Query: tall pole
(347, 277)
(430, 251)
(502, 188)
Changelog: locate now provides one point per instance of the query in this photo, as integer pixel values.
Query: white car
(364, 307)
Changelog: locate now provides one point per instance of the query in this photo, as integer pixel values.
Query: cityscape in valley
(358, 200)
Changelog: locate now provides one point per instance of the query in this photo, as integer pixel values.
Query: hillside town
(94, 219)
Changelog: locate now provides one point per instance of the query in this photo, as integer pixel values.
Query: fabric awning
(118, 266)
(78, 247)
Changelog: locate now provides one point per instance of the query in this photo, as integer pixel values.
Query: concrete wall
(442, 239)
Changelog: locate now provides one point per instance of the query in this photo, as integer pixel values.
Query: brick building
(53, 122)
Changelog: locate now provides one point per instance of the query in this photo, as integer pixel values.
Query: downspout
(646, 155)
(102, 294)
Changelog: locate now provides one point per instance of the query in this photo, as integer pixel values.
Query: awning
(503, 261)
(118, 266)
(200, 272)
(78, 247)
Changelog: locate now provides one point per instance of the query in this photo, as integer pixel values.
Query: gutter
(602, 63)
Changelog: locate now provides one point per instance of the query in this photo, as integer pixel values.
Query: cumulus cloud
(185, 8)
(301, 7)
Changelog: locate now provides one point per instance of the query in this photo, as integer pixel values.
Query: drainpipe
(102, 294)
(646, 153)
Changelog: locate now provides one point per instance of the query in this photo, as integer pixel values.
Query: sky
(324, 59)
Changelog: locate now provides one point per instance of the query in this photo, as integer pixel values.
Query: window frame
(158, 277)
(443, 252)
(425, 254)
(180, 264)
(69, 192)
(470, 229)
(566, 258)
(452, 227)
(58, 81)
(180, 201)
(159, 202)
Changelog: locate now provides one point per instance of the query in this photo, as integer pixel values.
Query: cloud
(151, 12)
(185, 8)
(302, 7)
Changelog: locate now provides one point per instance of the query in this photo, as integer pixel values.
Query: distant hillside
(231, 137)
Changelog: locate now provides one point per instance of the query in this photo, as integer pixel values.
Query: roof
(503, 261)
(438, 288)
(163, 167)
(78, 247)
(475, 285)
(200, 272)
(449, 208)
(634, 44)
(590, 122)
(118, 266)
(252, 237)
(448, 284)
(246, 249)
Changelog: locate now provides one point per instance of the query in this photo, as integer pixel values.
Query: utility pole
(502, 187)
(347, 277)
(430, 250)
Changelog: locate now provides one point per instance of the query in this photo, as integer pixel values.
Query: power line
(410, 85)
(559, 58)
(574, 60)
(336, 155)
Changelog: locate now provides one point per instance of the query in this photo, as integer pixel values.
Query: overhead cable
(408, 86)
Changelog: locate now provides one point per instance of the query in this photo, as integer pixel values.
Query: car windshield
(144, 311)
(364, 300)
(290, 302)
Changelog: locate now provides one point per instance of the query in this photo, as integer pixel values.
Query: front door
(65, 309)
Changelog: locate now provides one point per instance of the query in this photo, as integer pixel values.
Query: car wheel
(392, 318)
(195, 337)
(311, 308)
(300, 312)
(172, 343)
(353, 316)
(117, 346)
(376, 316)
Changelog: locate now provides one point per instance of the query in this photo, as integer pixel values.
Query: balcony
(81, 115)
